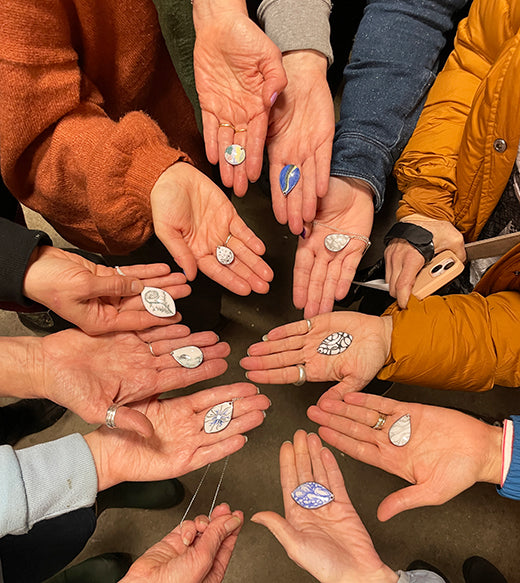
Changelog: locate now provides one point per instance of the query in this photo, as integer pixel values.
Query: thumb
(182, 255)
(112, 286)
(405, 499)
(275, 81)
(279, 527)
(132, 420)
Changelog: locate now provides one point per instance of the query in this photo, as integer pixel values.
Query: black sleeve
(16, 246)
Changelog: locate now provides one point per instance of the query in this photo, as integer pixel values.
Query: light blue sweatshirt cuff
(44, 481)
(419, 576)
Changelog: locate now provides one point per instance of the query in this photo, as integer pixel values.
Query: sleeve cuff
(298, 25)
(511, 487)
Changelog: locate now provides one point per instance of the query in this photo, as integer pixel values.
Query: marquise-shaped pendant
(225, 255)
(158, 302)
(311, 495)
(218, 417)
(401, 431)
(335, 343)
(188, 356)
(289, 177)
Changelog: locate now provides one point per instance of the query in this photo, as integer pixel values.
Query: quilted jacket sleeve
(458, 342)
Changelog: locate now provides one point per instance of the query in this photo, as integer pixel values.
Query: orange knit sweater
(91, 113)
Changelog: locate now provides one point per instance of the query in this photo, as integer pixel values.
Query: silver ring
(309, 325)
(110, 416)
(151, 349)
(228, 238)
(302, 376)
(380, 422)
(118, 270)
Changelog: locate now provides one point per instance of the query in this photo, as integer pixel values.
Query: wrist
(307, 60)
(207, 11)
(32, 281)
(492, 459)
(387, 327)
(105, 475)
(20, 362)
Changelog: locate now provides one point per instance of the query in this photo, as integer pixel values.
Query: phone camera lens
(449, 264)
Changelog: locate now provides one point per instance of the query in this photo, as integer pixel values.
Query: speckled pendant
(225, 255)
(335, 343)
(218, 417)
(401, 431)
(158, 302)
(336, 242)
(188, 356)
(289, 177)
(311, 495)
(235, 154)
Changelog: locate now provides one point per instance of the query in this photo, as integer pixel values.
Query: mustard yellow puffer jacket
(455, 168)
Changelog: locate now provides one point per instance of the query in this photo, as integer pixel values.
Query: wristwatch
(420, 238)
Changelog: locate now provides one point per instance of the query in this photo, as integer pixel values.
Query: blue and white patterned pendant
(311, 495)
(158, 302)
(335, 343)
(218, 417)
(289, 177)
(235, 154)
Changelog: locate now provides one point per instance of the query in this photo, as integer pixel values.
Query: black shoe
(47, 322)
(478, 570)
(151, 495)
(25, 417)
(419, 565)
(107, 568)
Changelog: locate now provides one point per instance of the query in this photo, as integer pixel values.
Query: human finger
(318, 469)
(274, 361)
(111, 286)
(129, 321)
(295, 202)
(146, 270)
(180, 252)
(210, 131)
(414, 496)
(256, 133)
(241, 231)
(364, 415)
(316, 282)
(207, 454)
(171, 378)
(200, 339)
(206, 399)
(288, 473)
(225, 139)
(188, 532)
(348, 272)
(131, 420)
(282, 530)
(224, 276)
(275, 376)
(240, 182)
(308, 205)
(279, 201)
(303, 264)
(251, 260)
(292, 329)
(256, 351)
(334, 476)
(172, 331)
(302, 457)
(365, 452)
(330, 286)
(350, 427)
(323, 157)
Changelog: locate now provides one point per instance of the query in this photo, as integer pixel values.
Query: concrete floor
(478, 521)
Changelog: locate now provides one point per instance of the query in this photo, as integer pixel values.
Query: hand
(322, 276)
(275, 360)
(403, 262)
(197, 551)
(180, 444)
(301, 130)
(330, 542)
(192, 216)
(447, 453)
(88, 374)
(92, 296)
(238, 74)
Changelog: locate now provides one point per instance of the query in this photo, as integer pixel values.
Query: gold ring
(380, 422)
(240, 130)
(228, 238)
(226, 125)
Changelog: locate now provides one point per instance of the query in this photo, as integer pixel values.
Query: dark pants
(49, 546)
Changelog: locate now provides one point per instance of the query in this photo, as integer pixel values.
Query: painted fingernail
(246, 439)
(265, 414)
(303, 233)
(265, 338)
(274, 97)
(232, 524)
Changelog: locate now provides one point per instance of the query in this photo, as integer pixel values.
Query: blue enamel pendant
(289, 177)
(311, 495)
(218, 417)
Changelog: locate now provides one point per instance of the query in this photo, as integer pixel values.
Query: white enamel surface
(336, 242)
(224, 255)
(188, 356)
(158, 302)
(401, 431)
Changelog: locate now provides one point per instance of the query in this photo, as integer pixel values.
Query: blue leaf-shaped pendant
(311, 495)
(289, 177)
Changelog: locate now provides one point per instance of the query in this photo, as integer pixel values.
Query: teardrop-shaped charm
(188, 356)
(311, 495)
(289, 177)
(401, 431)
(225, 255)
(158, 302)
(218, 417)
(335, 343)
(336, 242)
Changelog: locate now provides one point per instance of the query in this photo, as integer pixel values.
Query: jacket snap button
(500, 145)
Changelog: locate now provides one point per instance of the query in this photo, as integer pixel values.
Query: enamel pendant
(401, 431)
(235, 154)
(336, 242)
(335, 343)
(158, 302)
(225, 255)
(311, 495)
(289, 177)
(218, 417)
(188, 356)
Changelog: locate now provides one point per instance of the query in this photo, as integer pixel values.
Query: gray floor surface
(478, 521)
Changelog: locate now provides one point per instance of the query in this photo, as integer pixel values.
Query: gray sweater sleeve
(298, 24)
(420, 576)
(44, 481)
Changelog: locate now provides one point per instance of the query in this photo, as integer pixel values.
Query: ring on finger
(151, 349)
(226, 125)
(381, 420)
(302, 376)
(309, 325)
(111, 416)
(118, 270)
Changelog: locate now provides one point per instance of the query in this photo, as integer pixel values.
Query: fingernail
(246, 375)
(257, 390)
(265, 414)
(264, 338)
(270, 402)
(274, 97)
(136, 286)
(246, 439)
(247, 352)
(218, 337)
(287, 441)
(232, 524)
(303, 233)
(187, 539)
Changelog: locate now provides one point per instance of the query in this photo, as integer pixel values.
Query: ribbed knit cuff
(511, 487)
(298, 25)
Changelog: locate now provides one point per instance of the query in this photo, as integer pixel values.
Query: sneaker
(478, 570)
